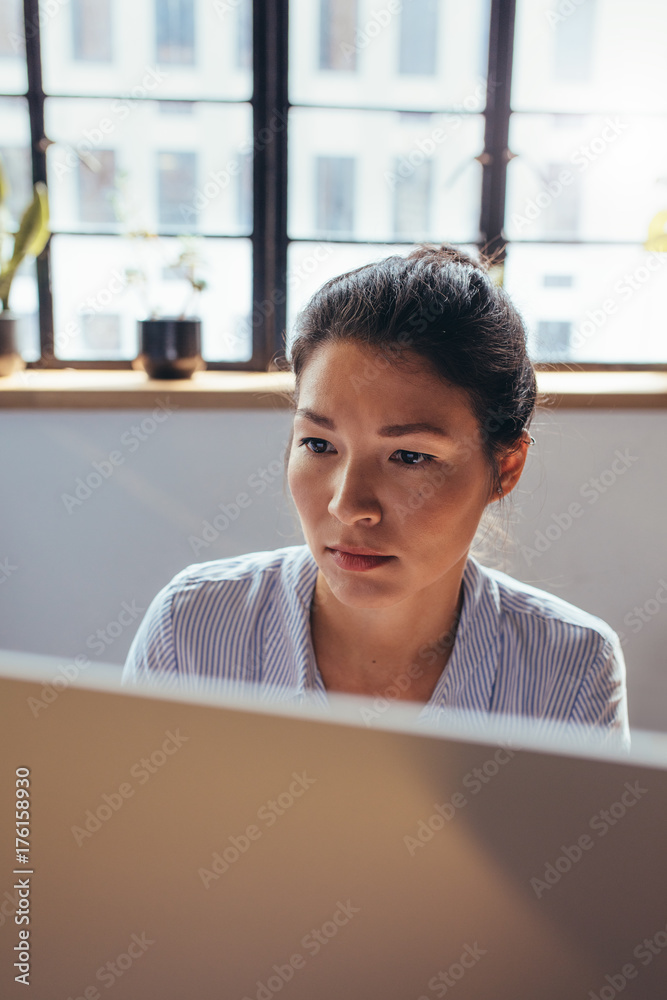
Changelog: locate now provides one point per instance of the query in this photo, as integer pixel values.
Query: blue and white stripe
(518, 651)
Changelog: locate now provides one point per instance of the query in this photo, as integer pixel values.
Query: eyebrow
(389, 430)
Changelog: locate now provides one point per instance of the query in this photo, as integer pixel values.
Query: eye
(413, 457)
(316, 441)
(414, 454)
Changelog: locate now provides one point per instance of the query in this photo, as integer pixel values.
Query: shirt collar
(468, 680)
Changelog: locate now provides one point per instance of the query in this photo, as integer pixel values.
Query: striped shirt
(518, 651)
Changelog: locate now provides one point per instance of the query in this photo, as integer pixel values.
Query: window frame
(269, 238)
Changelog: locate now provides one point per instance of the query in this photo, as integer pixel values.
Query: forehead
(358, 380)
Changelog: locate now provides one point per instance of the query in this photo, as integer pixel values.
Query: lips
(350, 561)
(357, 550)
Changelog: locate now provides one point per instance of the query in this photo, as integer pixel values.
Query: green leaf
(4, 184)
(33, 232)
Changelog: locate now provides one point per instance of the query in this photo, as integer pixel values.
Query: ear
(511, 466)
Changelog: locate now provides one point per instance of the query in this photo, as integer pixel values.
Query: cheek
(301, 482)
(451, 496)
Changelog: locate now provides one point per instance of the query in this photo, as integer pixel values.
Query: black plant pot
(169, 347)
(10, 357)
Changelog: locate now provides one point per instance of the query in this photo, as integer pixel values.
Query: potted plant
(27, 241)
(169, 346)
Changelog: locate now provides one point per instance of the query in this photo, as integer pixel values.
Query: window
(175, 29)
(552, 339)
(91, 30)
(412, 204)
(418, 49)
(177, 180)
(378, 131)
(573, 44)
(96, 186)
(338, 25)
(558, 281)
(334, 195)
(11, 28)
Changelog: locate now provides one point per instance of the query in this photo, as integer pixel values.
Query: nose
(354, 495)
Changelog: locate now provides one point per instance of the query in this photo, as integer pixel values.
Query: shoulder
(555, 660)
(212, 618)
(529, 610)
(269, 570)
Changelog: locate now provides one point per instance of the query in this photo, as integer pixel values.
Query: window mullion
(270, 108)
(38, 145)
(496, 132)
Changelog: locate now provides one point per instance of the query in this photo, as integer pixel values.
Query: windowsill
(94, 389)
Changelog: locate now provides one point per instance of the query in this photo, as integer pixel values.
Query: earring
(500, 490)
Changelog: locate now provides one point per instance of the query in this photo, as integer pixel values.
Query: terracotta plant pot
(10, 357)
(169, 347)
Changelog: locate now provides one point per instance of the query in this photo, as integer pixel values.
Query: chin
(361, 593)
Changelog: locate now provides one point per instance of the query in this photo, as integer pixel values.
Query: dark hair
(441, 304)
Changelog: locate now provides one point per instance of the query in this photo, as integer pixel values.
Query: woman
(413, 399)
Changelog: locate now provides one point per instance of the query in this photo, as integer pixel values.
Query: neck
(404, 647)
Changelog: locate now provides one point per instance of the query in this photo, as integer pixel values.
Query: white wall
(74, 570)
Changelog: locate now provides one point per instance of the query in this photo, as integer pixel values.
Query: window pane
(17, 169)
(334, 194)
(177, 182)
(184, 172)
(413, 198)
(573, 45)
(384, 175)
(599, 55)
(338, 25)
(98, 296)
(163, 49)
(15, 153)
(91, 30)
(418, 50)
(13, 77)
(175, 31)
(96, 187)
(585, 177)
(421, 54)
(608, 306)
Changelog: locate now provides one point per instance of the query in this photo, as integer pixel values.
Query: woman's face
(360, 477)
